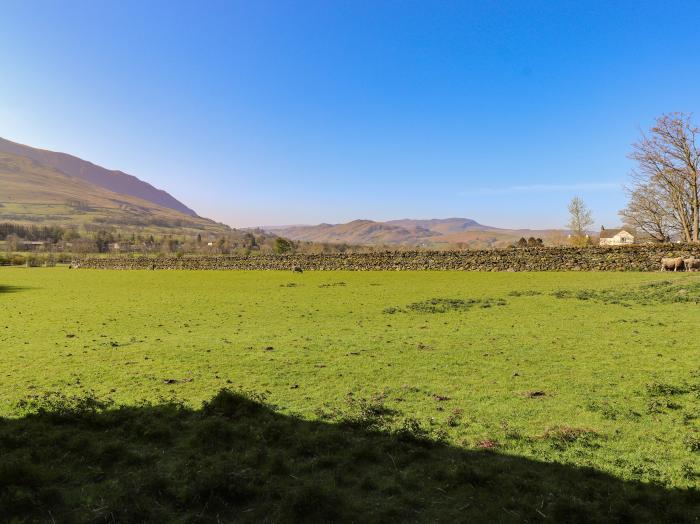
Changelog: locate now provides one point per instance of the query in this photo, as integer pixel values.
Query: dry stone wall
(631, 258)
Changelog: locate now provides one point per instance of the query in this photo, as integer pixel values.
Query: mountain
(436, 233)
(355, 232)
(442, 225)
(34, 193)
(115, 181)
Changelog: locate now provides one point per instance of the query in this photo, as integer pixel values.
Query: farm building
(31, 245)
(615, 237)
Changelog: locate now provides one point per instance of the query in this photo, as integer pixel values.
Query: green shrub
(282, 245)
(64, 258)
(34, 261)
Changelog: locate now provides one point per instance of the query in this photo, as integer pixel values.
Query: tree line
(90, 239)
(17, 237)
(32, 233)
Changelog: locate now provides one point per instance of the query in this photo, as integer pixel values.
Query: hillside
(115, 181)
(443, 226)
(34, 193)
(355, 232)
(434, 233)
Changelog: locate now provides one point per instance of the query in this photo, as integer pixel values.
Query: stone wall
(629, 258)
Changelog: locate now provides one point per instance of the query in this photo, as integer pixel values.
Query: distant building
(32, 245)
(615, 237)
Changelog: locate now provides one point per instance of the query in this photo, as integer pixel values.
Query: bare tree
(580, 218)
(647, 212)
(668, 162)
(12, 243)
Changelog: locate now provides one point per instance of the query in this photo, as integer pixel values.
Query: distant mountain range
(437, 232)
(44, 187)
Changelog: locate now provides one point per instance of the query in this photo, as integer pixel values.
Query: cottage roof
(610, 233)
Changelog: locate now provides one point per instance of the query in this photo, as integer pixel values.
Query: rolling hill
(436, 233)
(35, 193)
(443, 226)
(355, 232)
(115, 181)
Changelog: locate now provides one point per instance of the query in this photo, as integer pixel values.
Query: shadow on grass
(10, 289)
(238, 460)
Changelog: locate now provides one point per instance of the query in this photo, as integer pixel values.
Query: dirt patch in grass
(333, 284)
(534, 394)
(487, 443)
(177, 380)
(526, 293)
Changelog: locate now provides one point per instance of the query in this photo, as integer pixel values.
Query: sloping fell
(33, 193)
(116, 181)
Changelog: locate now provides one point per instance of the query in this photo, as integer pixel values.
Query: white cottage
(615, 237)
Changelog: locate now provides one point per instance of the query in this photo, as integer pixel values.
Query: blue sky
(281, 112)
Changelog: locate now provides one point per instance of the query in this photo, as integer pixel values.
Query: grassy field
(412, 396)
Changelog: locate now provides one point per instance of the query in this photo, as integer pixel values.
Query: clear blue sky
(281, 112)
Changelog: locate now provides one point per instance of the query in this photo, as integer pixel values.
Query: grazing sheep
(692, 264)
(672, 264)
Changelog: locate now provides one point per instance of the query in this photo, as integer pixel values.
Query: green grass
(400, 395)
